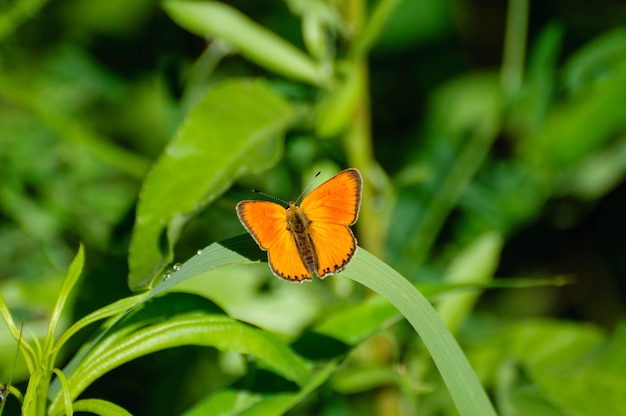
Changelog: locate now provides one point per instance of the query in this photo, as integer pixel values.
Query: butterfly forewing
(264, 220)
(337, 200)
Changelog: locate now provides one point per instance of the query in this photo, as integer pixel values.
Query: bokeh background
(484, 120)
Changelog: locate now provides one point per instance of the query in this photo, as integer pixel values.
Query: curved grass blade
(463, 384)
(461, 380)
(99, 407)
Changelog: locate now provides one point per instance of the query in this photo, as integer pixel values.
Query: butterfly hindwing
(267, 223)
(335, 201)
(335, 247)
(285, 261)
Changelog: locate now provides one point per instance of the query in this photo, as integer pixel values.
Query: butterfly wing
(267, 223)
(335, 246)
(337, 200)
(331, 207)
(285, 261)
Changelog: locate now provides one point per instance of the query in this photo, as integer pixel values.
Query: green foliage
(133, 131)
(200, 148)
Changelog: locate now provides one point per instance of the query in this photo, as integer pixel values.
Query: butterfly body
(298, 225)
(310, 239)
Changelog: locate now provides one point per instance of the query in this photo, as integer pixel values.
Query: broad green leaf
(237, 128)
(265, 48)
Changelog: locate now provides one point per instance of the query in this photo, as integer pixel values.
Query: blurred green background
(475, 124)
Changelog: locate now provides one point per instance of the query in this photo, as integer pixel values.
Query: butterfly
(310, 239)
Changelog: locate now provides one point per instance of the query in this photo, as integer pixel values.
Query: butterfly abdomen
(298, 224)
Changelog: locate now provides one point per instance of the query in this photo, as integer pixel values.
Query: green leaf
(475, 264)
(595, 60)
(352, 325)
(462, 382)
(224, 403)
(215, 145)
(336, 111)
(65, 392)
(73, 273)
(364, 379)
(28, 352)
(375, 25)
(590, 382)
(595, 76)
(118, 307)
(265, 48)
(217, 331)
(598, 111)
(99, 407)
(231, 402)
(467, 112)
(551, 354)
(596, 174)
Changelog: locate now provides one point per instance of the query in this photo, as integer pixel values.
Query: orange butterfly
(312, 238)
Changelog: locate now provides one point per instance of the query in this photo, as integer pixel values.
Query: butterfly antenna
(256, 191)
(308, 186)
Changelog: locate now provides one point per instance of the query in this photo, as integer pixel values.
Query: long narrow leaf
(221, 332)
(462, 382)
(260, 45)
(73, 273)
